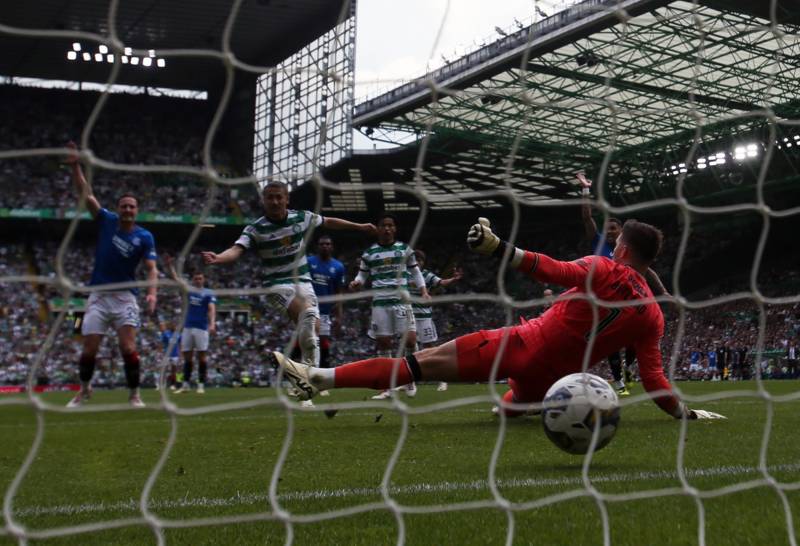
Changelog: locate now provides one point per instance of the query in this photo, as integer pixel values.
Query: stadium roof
(264, 33)
(624, 82)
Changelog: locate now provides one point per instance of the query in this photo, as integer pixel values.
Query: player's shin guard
(376, 373)
(86, 368)
(307, 336)
(324, 352)
(131, 369)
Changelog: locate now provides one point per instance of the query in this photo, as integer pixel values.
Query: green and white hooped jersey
(280, 246)
(387, 267)
(422, 311)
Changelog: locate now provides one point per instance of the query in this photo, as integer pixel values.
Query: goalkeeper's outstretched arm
(541, 267)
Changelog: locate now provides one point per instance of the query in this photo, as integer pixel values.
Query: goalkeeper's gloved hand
(703, 414)
(481, 239)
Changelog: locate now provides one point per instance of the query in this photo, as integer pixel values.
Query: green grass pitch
(92, 468)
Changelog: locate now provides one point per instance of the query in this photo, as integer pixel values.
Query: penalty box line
(248, 499)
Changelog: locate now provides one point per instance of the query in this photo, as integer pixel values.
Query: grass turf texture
(92, 468)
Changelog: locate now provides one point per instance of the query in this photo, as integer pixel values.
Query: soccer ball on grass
(573, 406)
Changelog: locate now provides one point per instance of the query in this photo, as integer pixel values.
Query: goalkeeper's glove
(482, 240)
(703, 414)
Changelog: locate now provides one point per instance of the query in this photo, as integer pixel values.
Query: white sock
(307, 336)
(323, 378)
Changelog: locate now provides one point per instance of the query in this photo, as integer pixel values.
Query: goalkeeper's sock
(374, 373)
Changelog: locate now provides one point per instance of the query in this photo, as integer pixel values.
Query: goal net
(683, 114)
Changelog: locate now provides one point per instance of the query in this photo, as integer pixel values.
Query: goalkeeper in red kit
(536, 353)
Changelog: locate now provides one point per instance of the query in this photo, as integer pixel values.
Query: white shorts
(281, 295)
(325, 325)
(194, 339)
(392, 320)
(110, 309)
(426, 330)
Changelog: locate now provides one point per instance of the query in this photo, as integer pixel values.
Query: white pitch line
(248, 499)
(282, 416)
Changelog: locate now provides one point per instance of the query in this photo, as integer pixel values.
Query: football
(573, 406)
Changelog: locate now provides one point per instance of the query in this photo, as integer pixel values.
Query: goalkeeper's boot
(306, 404)
(442, 387)
(623, 391)
(297, 374)
(79, 399)
(411, 390)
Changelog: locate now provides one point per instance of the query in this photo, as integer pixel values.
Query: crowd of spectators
(124, 136)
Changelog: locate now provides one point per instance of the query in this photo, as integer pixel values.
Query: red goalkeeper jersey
(569, 326)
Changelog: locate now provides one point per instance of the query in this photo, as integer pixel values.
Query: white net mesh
(771, 49)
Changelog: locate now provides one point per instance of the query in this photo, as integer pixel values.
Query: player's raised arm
(341, 224)
(79, 180)
(169, 263)
(589, 225)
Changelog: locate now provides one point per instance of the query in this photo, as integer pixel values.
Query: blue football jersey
(328, 277)
(197, 314)
(118, 253)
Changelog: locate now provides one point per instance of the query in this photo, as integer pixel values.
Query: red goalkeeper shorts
(522, 359)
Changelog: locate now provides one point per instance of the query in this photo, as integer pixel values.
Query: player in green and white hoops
(279, 239)
(386, 265)
(423, 314)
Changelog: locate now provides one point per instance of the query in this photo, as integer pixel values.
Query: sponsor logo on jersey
(125, 248)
